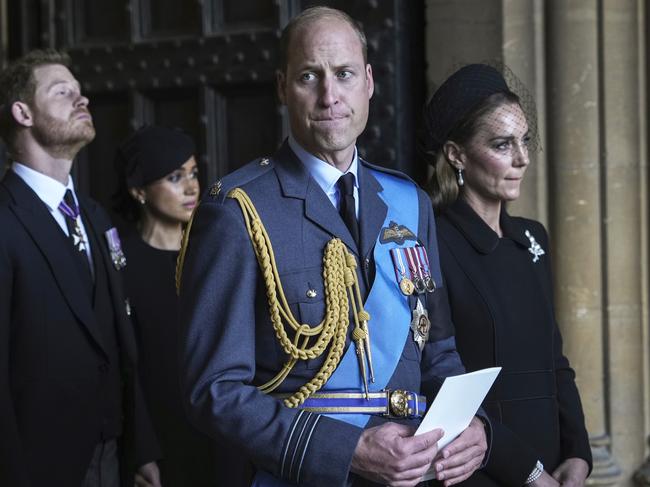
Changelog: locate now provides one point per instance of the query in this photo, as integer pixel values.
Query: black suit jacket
(52, 355)
(502, 307)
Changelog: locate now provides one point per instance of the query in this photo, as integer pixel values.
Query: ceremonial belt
(390, 403)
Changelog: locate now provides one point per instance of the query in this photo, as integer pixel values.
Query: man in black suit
(71, 411)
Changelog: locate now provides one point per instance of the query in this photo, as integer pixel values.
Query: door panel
(168, 18)
(252, 120)
(99, 21)
(111, 114)
(208, 68)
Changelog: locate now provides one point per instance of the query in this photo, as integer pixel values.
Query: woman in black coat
(159, 189)
(498, 275)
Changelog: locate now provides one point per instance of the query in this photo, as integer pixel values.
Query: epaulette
(392, 172)
(218, 192)
(245, 174)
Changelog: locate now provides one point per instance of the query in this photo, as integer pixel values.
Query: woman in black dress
(160, 188)
(498, 276)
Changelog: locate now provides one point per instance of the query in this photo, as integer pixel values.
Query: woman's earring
(141, 200)
(459, 177)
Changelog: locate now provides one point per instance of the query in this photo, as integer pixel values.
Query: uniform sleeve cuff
(314, 444)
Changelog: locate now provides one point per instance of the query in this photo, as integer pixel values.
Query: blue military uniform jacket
(229, 345)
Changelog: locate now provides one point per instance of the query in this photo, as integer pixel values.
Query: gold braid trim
(341, 285)
(180, 260)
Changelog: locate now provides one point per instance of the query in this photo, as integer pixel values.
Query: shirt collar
(324, 173)
(479, 233)
(48, 189)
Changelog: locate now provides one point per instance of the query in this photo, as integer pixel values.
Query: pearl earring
(459, 177)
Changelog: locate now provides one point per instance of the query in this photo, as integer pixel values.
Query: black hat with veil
(462, 92)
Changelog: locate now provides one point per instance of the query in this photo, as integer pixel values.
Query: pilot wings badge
(396, 233)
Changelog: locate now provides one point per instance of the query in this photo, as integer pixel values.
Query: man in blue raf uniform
(71, 411)
(312, 308)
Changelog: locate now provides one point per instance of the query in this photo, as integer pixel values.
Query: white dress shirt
(327, 175)
(51, 192)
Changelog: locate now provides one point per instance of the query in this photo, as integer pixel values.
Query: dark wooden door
(208, 67)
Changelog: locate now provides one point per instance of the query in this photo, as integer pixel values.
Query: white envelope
(456, 404)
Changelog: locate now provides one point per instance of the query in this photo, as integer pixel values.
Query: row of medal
(412, 270)
(413, 274)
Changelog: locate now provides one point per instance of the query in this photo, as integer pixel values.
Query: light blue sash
(390, 315)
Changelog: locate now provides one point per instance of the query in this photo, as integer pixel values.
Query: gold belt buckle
(398, 403)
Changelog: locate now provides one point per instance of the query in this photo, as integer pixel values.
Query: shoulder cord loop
(180, 260)
(341, 287)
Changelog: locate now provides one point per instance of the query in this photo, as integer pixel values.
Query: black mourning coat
(189, 457)
(55, 358)
(502, 306)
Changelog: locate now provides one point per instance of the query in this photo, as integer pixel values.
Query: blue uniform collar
(323, 173)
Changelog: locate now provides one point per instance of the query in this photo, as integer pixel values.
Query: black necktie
(347, 208)
(71, 211)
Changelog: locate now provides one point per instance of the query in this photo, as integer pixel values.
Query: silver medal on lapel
(420, 325)
(115, 248)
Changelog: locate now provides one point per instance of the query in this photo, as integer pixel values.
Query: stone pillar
(523, 52)
(642, 475)
(574, 149)
(508, 31)
(621, 123)
(461, 32)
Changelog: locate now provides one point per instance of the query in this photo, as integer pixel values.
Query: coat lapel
(372, 209)
(297, 183)
(48, 237)
(93, 218)
(89, 214)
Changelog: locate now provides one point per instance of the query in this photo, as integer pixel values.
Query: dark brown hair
(443, 187)
(309, 16)
(17, 84)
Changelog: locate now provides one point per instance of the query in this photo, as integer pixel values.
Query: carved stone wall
(586, 63)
